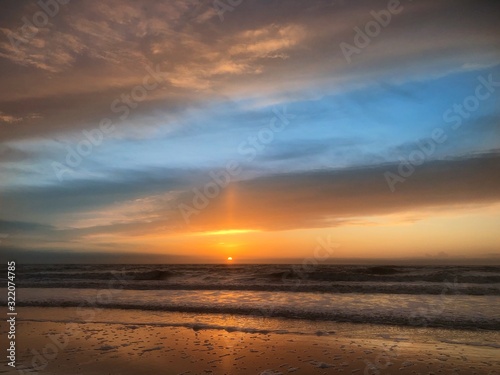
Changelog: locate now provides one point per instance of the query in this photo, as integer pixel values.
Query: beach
(55, 341)
(256, 319)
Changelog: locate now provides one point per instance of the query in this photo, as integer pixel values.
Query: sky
(268, 131)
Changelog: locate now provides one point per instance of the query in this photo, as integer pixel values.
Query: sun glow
(224, 232)
(229, 258)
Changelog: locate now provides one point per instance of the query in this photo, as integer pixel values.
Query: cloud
(92, 52)
(323, 198)
(87, 194)
(220, 81)
(17, 226)
(83, 256)
(8, 118)
(145, 204)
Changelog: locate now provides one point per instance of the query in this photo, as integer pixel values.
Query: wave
(342, 287)
(105, 275)
(387, 319)
(263, 273)
(388, 274)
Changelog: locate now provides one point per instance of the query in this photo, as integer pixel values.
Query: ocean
(459, 297)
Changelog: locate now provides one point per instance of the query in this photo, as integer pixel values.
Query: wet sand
(66, 347)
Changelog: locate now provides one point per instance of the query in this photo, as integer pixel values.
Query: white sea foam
(400, 309)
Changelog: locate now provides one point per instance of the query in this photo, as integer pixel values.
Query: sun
(229, 258)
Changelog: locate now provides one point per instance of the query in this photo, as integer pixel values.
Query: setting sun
(229, 258)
